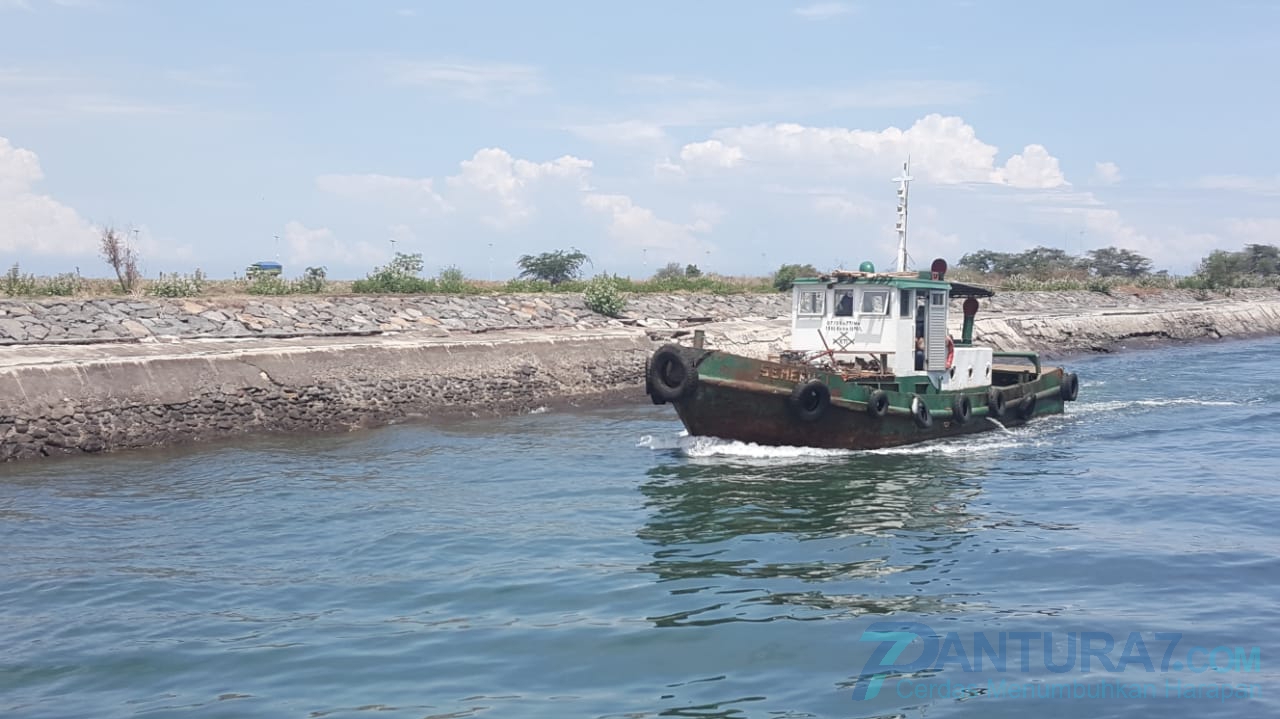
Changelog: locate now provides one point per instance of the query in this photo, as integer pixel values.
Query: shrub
(62, 285)
(603, 295)
(16, 284)
(262, 283)
(176, 285)
(313, 281)
(451, 281)
(398, 276)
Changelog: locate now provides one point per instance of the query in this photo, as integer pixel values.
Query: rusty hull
(749, 400)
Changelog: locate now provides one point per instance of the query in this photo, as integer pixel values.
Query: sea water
(601, 564)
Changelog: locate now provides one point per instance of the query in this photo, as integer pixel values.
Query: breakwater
(106, 374)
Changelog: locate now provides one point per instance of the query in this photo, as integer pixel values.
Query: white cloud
(1033, 168)
(494, 186)
(318, 246)
(35, 223)
(823, 10)
(841, 208)
(416, 193)
(1268, 186)
(710, 154)
(944, 150)
(1106, 173)
(504, 183)
(626, 132)
(1257, 231)
(636, 226)
(472, 81)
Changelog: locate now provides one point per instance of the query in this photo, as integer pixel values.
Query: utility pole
(277, 248)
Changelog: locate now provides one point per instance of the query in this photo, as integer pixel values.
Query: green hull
(718, 394)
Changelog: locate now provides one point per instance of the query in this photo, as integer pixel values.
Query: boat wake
(714, 447)
(1119, 405)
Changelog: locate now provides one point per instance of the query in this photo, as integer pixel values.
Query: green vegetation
(312, 282)
(553, 268)
(786, 275)
(400, 276)
(16, 283)
(176, 285)
(603, 295)
(1111, 268)
(1045, 269)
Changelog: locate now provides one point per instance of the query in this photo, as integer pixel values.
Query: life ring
(671, 374)
(1028, 406)
(878, 403)
(995, 403)
(1070, 388)
(810, 400)
(951, 352)
(920, 412)
(961, 409)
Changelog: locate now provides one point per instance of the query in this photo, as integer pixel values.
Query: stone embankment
(106, 374)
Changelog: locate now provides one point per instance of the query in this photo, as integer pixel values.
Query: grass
(28, 286)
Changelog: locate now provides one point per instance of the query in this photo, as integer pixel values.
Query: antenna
(903, 181)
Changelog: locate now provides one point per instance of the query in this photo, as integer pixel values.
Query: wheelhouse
(889, 325)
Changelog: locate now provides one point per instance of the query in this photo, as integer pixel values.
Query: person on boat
(920, 351)
(844, 306)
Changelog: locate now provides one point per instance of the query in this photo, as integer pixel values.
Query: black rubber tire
(920, 412)
(995, 403)
(648, 383)
(810, 400)
(962, 409)
(1070, 388)
(671, 374)
(1027, 407)
(878, 403)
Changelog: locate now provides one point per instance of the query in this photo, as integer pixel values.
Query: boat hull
(750, 400)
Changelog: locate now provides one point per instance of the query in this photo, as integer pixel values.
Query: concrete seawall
(102, 375)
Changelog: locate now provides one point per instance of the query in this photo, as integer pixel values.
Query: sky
(732, 135)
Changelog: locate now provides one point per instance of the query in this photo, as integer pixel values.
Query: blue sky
(733, 135)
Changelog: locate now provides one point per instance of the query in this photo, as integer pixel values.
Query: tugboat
(870, 365)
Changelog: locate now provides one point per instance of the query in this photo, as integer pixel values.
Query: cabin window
(875, 302)
(844, 303)
(811, 302)
(939, 298)
(904, 302)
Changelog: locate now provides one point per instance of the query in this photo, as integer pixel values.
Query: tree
(122, 258)
(786, 275)
(1041, 261)
(1115, 262)
(554, 267)
(1262, 259)
(672, 271)
(1221, 268)
(984, 261)
(692, 271)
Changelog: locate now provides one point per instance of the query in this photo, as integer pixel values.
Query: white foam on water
(539, 410)
(709, 447)
(1090, 407)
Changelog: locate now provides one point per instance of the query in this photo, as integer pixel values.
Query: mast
(903, 181)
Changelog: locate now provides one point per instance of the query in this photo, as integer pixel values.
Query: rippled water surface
(598, 564)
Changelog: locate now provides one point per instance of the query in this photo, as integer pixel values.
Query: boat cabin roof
(899, 280)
